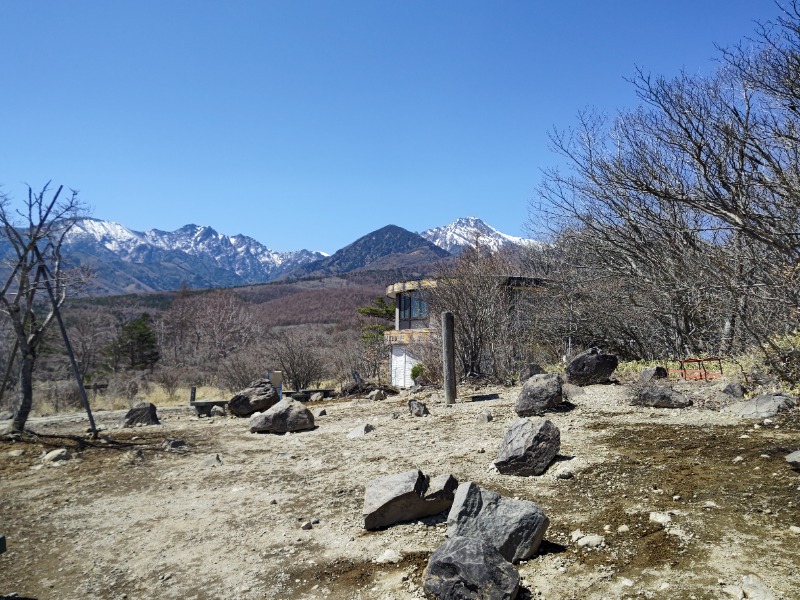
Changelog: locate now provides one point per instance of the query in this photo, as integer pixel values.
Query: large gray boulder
(592, 366)
(407, 496)
(259, 396)
(287, 415)
(469, 569)
(794, 459)
(540, 393)
(143, 413)
(761, 407)
(660, 396)
(528, 448)
(515, 527)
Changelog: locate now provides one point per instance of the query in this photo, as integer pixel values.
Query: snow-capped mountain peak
(189, 247)
(469, 231)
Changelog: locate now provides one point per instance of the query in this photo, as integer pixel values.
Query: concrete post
(449, 357)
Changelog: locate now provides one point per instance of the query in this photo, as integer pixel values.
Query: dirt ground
(126, 519)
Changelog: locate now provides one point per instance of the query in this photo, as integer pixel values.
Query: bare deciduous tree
(35, 235)
(489, 334)
(300, 355)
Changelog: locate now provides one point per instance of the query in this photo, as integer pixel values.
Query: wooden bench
(203, 407)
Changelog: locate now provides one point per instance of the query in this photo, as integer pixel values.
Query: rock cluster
(486, 534)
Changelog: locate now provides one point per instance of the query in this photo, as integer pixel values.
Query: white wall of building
(402, 362)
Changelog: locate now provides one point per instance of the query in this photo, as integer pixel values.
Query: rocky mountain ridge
(129, 261)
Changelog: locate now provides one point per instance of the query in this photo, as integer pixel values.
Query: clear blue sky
(306, 124)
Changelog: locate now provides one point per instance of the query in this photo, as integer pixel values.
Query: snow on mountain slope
(248, 259)
(466, 231)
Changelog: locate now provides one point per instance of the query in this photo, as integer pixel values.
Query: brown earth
(126, 519)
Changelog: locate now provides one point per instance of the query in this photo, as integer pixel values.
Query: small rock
(320, 413)
(735, 389)
(734, 591)
(361, 430)
(217, 411)
(55, 456)
(794, 528)
(306, 526)
(591, 541)
(623, 529)
(376, 395)
(754, 588)
(738, 459)
(16, 452)
(211, 461)
(170, 444)
(794, 459)
(389, 556)
(650, 373)
(660, 518)
(417, 409)
(484, 417)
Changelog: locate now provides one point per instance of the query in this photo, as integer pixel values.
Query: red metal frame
(700, 371)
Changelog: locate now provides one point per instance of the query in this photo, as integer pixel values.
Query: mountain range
(128, 261)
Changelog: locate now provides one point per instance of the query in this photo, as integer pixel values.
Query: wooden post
(192, 395)
(449, 357)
